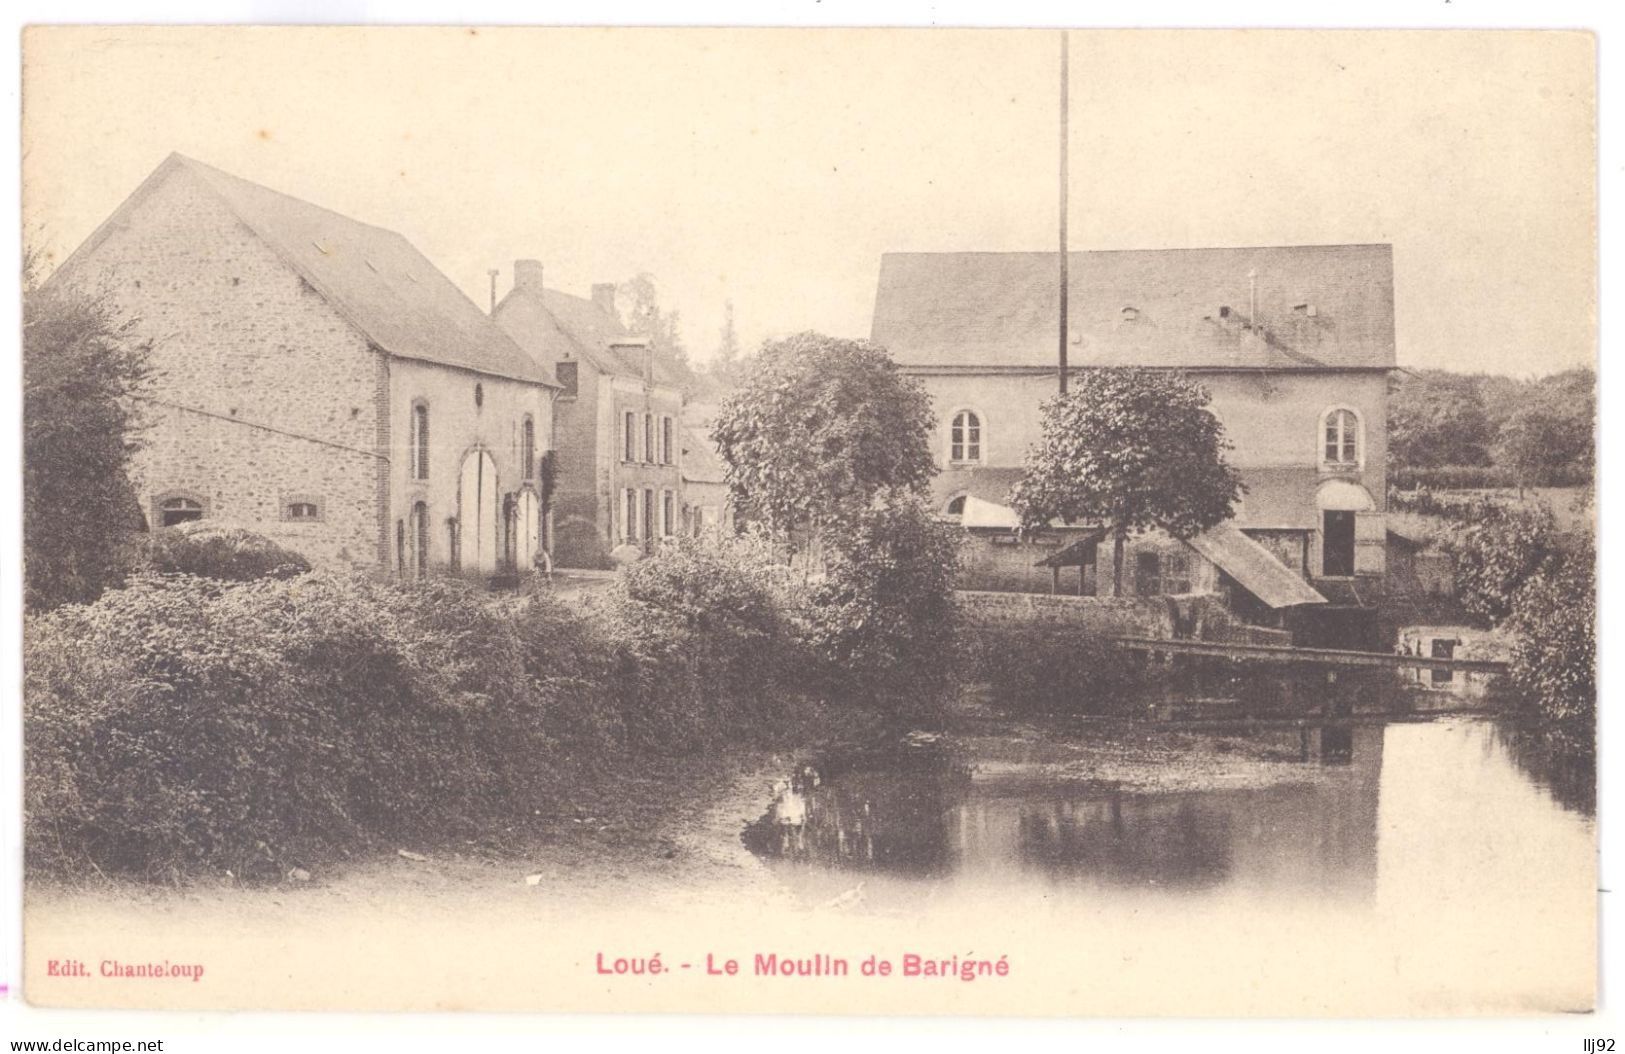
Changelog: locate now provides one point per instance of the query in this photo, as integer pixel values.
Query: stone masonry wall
(265, 394)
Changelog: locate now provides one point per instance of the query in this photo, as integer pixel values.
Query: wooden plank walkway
(1317, 656)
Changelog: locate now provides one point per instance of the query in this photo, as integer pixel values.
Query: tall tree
(725, 363)
(80, 511)
(646, 318)
(817, 427)
(1129, 449)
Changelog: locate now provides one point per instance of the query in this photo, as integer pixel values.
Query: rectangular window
(567, 375)
(648, 514)
(1443, 649)
(1176, 572)
(630, 437)
(667, 515)
(648, 437)
(629, 517)
(665, 441)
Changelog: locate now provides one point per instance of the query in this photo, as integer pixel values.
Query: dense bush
(1045, 671)
(188, 725)
(1554, 654)
(210, 549)
(704, 642)
(183, 724)
(881, 617)
(1496, 551)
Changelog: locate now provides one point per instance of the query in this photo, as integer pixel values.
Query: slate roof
(579, 326)
(991, 483)
(701, 464)
(373, 277)
(1319, 306)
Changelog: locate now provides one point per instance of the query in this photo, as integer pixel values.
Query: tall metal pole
(1062, 335)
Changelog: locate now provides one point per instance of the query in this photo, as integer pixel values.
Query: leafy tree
(1131, 449)
(817, 428)
(80, 510)
(1437, 418)
(1549, 439)
(827, 445)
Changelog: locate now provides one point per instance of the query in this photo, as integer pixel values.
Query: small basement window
(179, 510)
(301, 508)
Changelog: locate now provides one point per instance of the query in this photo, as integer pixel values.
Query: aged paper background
(316, 113)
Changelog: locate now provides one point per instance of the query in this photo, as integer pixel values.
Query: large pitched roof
(373, 277)
(1318, 305)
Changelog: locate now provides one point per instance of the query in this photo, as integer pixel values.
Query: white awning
(979, 513)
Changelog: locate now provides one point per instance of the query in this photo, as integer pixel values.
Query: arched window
(1340, 437)
(528, 439)
(420, 441)
(420, 538)
(956, 506)
(965, 438)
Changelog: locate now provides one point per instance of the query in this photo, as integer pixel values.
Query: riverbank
(659, 830)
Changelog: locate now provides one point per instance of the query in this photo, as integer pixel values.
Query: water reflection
(918, 822)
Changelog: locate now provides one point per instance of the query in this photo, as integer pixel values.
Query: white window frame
(418, 435)
(981, 437)
(1326, 417)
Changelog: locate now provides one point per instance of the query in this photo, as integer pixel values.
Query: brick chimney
(603, 294)
(527, 274)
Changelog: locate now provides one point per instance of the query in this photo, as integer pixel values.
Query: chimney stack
(603, 294)
(527, 274)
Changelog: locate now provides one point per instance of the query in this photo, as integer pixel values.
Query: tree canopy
(1131, 449)
(817, 427)
(1437, 418)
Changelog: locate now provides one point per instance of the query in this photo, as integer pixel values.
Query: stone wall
(1125, 616)
(262, 393)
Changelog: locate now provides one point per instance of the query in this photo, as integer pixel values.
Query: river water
(1439, 832)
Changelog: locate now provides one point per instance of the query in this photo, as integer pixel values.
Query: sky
(772, 168)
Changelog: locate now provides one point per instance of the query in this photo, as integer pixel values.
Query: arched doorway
(479, 513)
(528, 530)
